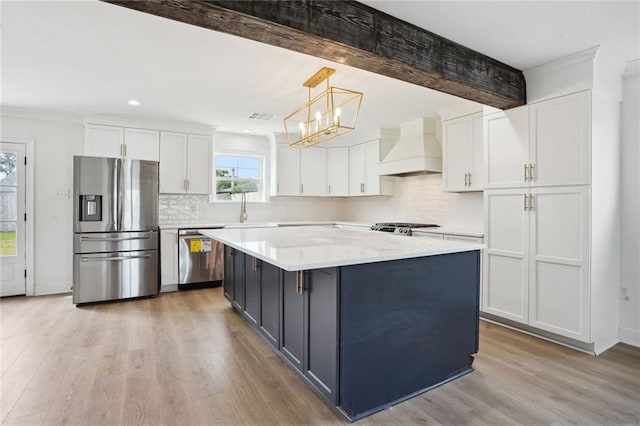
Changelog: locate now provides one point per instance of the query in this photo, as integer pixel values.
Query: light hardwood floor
(187, 359)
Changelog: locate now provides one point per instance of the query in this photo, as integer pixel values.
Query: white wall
(419, 199)
(55, 143)
(630, 244)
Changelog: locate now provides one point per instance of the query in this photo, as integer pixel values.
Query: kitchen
(59, 136)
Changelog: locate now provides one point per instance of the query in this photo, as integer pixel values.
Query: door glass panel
(7, 238)
(8, 169)
(8, 203)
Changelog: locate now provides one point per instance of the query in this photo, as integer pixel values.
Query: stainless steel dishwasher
(200, 260)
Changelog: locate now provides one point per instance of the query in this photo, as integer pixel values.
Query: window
(235, 174)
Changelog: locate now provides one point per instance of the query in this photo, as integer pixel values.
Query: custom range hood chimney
(417, 150)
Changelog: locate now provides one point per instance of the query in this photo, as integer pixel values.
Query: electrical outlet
(624, 293)
(62, 195)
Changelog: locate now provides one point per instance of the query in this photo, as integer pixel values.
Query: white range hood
(417, 150)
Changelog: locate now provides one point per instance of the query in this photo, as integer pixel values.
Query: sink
(251, 225)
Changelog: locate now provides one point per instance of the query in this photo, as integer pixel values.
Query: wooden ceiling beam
(352, 33)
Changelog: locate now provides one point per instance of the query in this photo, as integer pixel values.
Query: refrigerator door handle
(120, 191)
(111, 259)
(141, 237)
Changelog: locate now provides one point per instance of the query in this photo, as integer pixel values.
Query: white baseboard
(52, 288)
(629, 336)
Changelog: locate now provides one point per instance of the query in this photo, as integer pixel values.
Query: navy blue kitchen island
(366, 335)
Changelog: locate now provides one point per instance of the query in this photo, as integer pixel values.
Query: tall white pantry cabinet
(539, 263)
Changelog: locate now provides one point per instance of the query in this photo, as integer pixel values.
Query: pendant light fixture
(331, 113)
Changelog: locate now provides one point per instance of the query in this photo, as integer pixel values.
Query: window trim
(261, 176)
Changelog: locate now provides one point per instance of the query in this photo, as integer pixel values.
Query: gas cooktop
(403, 228)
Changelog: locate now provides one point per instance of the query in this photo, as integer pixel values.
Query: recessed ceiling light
(246, 130)
(134, 102)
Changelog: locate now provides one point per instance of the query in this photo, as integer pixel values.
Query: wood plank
(352, 33)
(217, 370)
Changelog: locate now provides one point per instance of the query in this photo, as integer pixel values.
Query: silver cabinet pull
(125, 149)
(525, 202)
(469, 178)
(329, 189)
(277, 188)
(362, 187)
(302, 188)
(526, 173)
(113, 259)
(531, 175)
(530, 201)
(141, 237)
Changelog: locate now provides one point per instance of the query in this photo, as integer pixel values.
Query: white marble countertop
(311, 247)
(258, 224)
(451, 230)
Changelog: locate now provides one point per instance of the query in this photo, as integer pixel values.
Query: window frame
(261, 180)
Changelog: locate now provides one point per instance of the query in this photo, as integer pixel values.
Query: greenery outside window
(235, 174)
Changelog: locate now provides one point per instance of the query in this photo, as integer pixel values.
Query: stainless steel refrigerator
(115, 229)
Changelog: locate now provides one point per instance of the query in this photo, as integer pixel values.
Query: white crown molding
(39, 114)
(148, 123)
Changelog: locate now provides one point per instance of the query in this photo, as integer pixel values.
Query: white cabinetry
(185, 163)
(338, 171)
(287, 170)
(113, 141)
(537, 260)
(313, 171)
(363, 171)
(169, 259)
(462, 154)
(542, 144)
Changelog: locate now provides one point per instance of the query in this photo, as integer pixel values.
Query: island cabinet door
(229, 278)
(238, 280)
(270, 304)
(292, 319)
(252, 282)
(320, 287)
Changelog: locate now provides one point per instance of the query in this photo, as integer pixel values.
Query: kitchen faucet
(243, 208)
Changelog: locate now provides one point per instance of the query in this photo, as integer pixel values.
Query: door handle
(531, 175)
(525, 202)
(142, 237)
(526, 173)
(530, 201)
(112, 259)
(469, 178)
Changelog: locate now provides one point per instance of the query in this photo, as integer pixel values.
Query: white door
(287, 170)
(506, 148)
(357, 159)
(199, 167)
(456, 135)
(173, 149)
(560, 140)
(12, 219)
(142, 144)
(103, 141)
(338, 171)
(505, 283)
(559, 261)
(313, 171)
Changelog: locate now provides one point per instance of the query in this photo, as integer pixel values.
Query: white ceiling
(91, 57)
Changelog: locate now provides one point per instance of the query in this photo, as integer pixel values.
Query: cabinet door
(173, 148)
(560, 140)
(479, 240)
(142, 144)
(169, 257)
(292, 320)
(198, 165)
(252, 283)
(313, 171)
(270, 303)
(372, 179)
(505, 283)
(357, 159)
(103, 141)
(506, 148)
(229, 273)
(559, 297)
(287, 170)
(338, 171)
(476, 164)
(456, 152)
(238, 280)
(321, 330)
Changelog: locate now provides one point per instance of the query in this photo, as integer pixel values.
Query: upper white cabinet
(287, 170)
(113, 141)
(363, 171)
(542, 144)
(313, 171)
(462, 154)
(185, 163)
(338, 171)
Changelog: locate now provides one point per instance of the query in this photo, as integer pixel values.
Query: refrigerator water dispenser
(90, 208)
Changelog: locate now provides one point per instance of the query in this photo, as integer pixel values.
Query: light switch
(62, 195)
